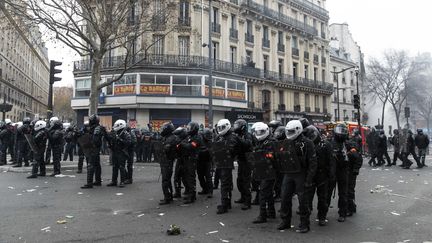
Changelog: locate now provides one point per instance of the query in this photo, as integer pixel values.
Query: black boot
(322, 222)
(262, 218)
(177, 194)
(87, 186)
(165, 201)
(221, 209)
(285, 224)
(271, 213)
(240, 200)
(303, 229)
(32, 176)
(341, 219)
(112, 184)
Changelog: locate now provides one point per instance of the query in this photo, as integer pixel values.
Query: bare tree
(62, 101)
(93, 28)
(421, 91)
(390, 77)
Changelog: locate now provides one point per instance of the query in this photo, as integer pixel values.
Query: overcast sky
(375, 24)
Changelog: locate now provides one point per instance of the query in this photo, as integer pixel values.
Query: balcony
(307, 109)
(251, 105)
(323, 35)
(306, 56)
(297, 108)
(184, 21)
(316, 59)
(295, 51)
(249, 38)
(281, 47)
(234, 1)
(200, 63)
(266, 106)
(316, 10)
(273, 15)
(158, 22)
(266, 43)
(281, 107)
(215, 27)
(317, 110)
(233, 33)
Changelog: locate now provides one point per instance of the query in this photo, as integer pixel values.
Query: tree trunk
(382, 115)
(95, 79)
(397, 114)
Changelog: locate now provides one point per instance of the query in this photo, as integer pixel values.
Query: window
(294, 43)
(280, 8)
(265, 63)
(306, 71)
(83, 84)
(295, 75)
(147, 79)
(215, 15)
(249, 27)
(280, 38)
(186, 86)
(215, 50)
(249, 58)
(250, 93)
(315, 74)
(184, 10)
(307, 101)
(352, 96)
(179, 80)
(281, 97)
(163, 79)
(280, 67)
(233, 54)
(265, 33)
(183, 45)
(317, 102)
(324, 103)
(235, 85)
(296, 99)
(233, 21)
(323, 75)
(305, 19)
(158, 44)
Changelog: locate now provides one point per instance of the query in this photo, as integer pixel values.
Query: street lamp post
(210, 62)
(357, 71)
(337, 85)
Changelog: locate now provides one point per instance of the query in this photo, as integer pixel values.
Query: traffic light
(407, 112)
(54, 71)
(357, 101)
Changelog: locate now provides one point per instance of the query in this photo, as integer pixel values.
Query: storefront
(107, 116)
(249, 116)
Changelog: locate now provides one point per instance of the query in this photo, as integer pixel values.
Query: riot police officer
(355, 163)
(96, 132)
(244, 170)
(273, 125)
(278, 135)
(40, 137)
(299, 172)
(169, 143)
(179, 176)
(22, 144)
(55, 137)
(5, 135)
(230, 144)
(340, 148)
(205, 164)
(264, 171)
(326, 168)
(69, 138)
(119, 140)
(190, 148)
(81, 155)
(130, 158)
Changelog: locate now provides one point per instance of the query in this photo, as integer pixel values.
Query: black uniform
(189, 150)
(5, 137)
(325, 173)
(382, 150)
(298, 178)
(146, 145)
(395, 141)
(232, 144)
(422, 143)
(372, 143)
(96, 132)
(340, 154)
(354, 165)
(139, 146)
(22, 145)
(266, 182)
(130, 159)
(38, 164)
(205, 164)
(168, 154)
(179, 176)
(69, 138)
(55, 137)
(244, 172)
(119, 141)
(409, 149)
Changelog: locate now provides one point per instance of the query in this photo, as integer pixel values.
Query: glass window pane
(241, 86)
(179, 80)
(220, 83)
(194, 80)
(231, 84)
(163, 79)
(147, 79)
(129, 79)
(182, 90)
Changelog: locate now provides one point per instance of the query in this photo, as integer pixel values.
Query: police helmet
(167, 129)
(240, 126)
(94, 120)
(223, 126)
(261, 131)
(39, 125)
(279, 133)
(192, 128)
(293, 129)
(119, 124)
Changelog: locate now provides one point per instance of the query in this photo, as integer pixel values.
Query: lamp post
(337, 85)
(357, 71)
(210, 63)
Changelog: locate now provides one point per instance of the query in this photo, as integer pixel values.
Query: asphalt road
(394, 205)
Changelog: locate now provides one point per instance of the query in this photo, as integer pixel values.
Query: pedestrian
(264, 171)
(40, 138)
(422, 143)
(119, 139)
(299, 168)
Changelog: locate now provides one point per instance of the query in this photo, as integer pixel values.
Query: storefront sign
(124, 89)
(248, 116)
(235, 94)
(216, 92)
(155, 89)
(157, 124)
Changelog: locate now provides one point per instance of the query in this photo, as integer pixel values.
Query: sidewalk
(65, 165)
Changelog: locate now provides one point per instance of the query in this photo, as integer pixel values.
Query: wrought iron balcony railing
(184, 21)
(306, 56)
(216, 28)
(316, 59)
(266, 43)
(281, 47)
(249, 38)
(233, 33)
(295, 51)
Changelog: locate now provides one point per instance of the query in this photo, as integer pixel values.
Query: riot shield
(85, 142)
(221, 155)
(31, 143)
(287, 160)
(159, 153)
(262, 167)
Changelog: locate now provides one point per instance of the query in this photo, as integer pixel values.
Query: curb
(9, 168)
